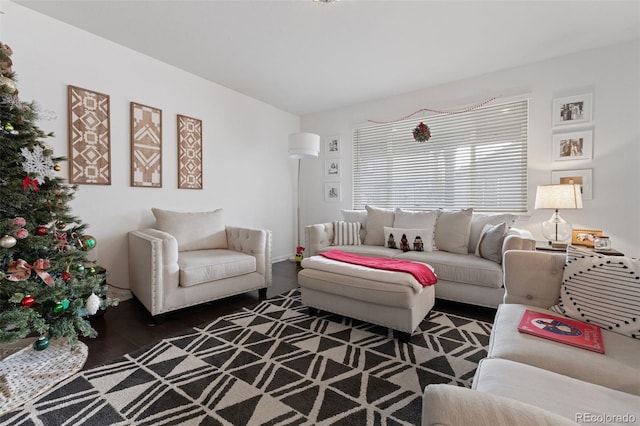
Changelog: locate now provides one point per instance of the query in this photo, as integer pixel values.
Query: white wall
(247, 171)
(611, 74)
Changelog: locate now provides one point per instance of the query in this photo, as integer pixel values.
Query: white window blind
(474, 159)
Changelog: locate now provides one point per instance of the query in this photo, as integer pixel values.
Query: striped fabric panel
(346, 233)
(601, 290)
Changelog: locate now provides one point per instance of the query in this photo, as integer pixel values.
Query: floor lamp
(556, 229)
(302, 146)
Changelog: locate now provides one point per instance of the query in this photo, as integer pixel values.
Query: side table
(544, 246)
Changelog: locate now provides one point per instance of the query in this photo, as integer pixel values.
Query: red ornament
(27, 301)
(42, 230)
(66, 276)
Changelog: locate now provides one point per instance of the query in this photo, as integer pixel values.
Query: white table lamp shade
(556, 197)
(304, 145)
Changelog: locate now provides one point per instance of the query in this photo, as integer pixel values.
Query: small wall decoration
(572, 110)
(89, 137)
(332, 191)
(189, 152)
(146, 146)
(332, 168)
(573, 145)
(575, 177)
(332, 146)
(585, 237)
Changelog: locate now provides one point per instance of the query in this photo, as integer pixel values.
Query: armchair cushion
(203, 266)
(193, 231)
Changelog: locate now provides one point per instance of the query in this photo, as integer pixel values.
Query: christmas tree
(48, 287)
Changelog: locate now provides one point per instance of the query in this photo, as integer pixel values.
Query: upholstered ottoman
(391, 299)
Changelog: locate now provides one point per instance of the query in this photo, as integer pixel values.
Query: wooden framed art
(572, 110)
(332, 168)
(332, 191)
(585, 237)
(575, 177)
(146, 146)
(189, 152)
(332, 146)
(89, 137)
(573, 145)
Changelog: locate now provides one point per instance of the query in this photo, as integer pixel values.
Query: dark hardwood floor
(128, 326)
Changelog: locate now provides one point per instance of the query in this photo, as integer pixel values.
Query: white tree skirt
(26, 373)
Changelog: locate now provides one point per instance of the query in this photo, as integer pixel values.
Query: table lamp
(556, 229)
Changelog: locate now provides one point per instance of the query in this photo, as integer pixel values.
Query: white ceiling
(304, 57)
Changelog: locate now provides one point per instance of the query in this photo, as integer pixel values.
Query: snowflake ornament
(38, 164)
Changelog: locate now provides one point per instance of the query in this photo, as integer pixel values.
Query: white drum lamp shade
(304, 145)
(556, 197)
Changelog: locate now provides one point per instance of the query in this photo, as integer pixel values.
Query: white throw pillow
(490, 244)
(412, 219)
(408, 239)
(479, 220)
(356, 216)
(377, 219)
(601, 290)
(193, 231)
(346, 233)
(452, 231)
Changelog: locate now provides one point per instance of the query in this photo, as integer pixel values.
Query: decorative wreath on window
(422, 133)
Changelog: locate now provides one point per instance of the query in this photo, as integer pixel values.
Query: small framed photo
(332, 146)
(584, 237)
(573, 145)
(575, 177)
(332, 168)
(572, 110)
(332, 191)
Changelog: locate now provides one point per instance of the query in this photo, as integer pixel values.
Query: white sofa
(528, 380)
(192, 258)
(463, 276)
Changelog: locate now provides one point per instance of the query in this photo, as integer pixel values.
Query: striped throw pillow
(346, 233)
(601, 290)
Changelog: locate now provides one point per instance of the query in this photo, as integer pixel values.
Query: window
(474, 159)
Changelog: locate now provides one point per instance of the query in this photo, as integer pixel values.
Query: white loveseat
(450, 241)
(192, 258)
(528, 380)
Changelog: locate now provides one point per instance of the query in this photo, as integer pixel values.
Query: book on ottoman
(564, 330)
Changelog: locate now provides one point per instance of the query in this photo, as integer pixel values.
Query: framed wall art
(332, 191)
(575, 177)
(573, 145)
(572, 110)
(332, 168)
(584, 237)
(332, 146)
(189, 152)
(89, 137)
(146, 146)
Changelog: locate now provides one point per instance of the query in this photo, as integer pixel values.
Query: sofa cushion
(377, 219)
(452, 231)
(356, 216)
(413, 219)
(601, 290)
(193, 231)
(414, 240)
(479, 220)
(490, 244)
(202, 266)
(563, 395)
(346, 233)
(459, 268)
(618, 368)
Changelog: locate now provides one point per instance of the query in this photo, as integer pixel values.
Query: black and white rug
(271, 365)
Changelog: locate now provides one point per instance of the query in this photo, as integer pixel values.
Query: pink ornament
(19, 221)
(21, 234)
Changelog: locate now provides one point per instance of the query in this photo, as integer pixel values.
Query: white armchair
(192, 258)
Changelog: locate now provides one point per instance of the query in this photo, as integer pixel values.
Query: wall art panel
(146, 146)
(189, 153)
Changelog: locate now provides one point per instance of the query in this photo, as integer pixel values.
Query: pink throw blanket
(422, 273)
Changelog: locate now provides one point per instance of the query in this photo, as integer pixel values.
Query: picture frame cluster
(332, 169)
(572, 140)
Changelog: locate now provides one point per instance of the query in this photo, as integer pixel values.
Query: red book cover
(561, 329)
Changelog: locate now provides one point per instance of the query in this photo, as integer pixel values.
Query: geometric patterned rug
(271, 365)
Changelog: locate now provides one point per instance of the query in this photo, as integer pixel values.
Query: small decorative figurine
(299, 254)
